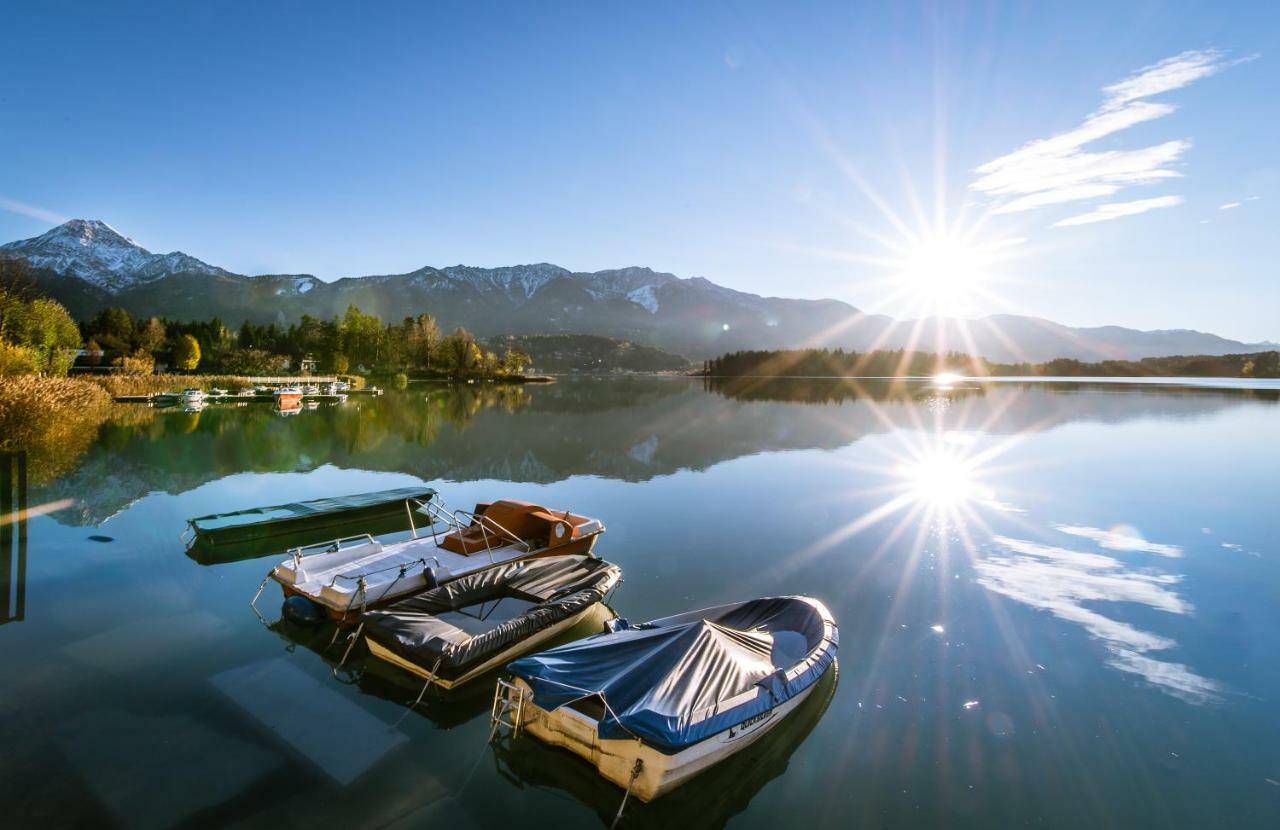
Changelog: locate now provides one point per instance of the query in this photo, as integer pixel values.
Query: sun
(945, 272)
(940, 480)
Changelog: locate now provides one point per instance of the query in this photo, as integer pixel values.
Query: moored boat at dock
(288, 397)
(458, 631)
(313, 516)
(652, 705)
(348, 576)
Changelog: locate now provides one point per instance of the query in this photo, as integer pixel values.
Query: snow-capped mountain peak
(518, 282)
(99, 254)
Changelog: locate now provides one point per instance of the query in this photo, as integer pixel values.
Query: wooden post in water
(6, 534)
(20, 596)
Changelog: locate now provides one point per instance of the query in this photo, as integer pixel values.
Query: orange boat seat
(530, 523)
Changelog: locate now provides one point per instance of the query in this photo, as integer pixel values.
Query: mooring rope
(361, 587)
(351, 643)
(635, 773)
(421, 694)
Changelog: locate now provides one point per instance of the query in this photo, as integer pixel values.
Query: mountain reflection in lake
(1056, 602)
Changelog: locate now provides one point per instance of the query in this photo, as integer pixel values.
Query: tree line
(355, 342)
(900, 363)
(39, 336)
(887, 363)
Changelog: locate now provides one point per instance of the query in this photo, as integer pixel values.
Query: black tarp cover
(676, 681)
(562, 586)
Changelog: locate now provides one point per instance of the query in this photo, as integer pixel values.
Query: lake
(1059, 606)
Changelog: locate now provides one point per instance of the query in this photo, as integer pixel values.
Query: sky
(1092, 163)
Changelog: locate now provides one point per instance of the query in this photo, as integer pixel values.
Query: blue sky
(788, 149)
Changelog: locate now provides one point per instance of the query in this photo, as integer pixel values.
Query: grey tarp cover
(678, 680)
(562, 586)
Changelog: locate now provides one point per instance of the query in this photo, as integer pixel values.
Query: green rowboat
(259, 524)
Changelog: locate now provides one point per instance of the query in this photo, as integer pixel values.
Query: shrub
(139, 363)
(18, 360)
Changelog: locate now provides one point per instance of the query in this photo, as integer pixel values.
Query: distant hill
(587, 353)
(87, 265)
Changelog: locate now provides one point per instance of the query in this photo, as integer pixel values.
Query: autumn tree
(44, 327)
(461, 354)
(514, 361)
(186, 353)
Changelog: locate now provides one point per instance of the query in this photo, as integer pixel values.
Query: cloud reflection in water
(1063, 581)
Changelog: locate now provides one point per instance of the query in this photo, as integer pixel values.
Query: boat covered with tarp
(261, 523)
(464, 628)
(651, 705)
(350, 576)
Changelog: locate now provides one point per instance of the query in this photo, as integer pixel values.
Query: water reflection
(1066, 583)
(630, 429)
(1002, 624)
(13, 537)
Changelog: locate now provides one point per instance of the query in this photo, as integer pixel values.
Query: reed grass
(52, 419)
(147, 384)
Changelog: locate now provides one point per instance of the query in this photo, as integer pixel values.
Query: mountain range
(87, 265)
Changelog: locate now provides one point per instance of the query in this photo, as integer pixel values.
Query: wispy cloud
(1229, 206)
(14, 206)
(1120, 538)
(1115, 210)
(1059, 170)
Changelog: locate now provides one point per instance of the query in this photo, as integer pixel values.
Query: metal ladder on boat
(507, 709)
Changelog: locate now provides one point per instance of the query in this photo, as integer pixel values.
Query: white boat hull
(616, 758)
(334, 580)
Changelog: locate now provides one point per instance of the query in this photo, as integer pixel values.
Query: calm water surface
(1059, 606)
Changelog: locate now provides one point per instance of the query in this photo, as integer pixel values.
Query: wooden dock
(151, 397)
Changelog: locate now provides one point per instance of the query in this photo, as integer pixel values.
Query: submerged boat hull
(616, 759)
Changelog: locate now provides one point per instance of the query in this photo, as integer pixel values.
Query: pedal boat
(653, 705)
(287, 397)
(349, 576)
(472, 625)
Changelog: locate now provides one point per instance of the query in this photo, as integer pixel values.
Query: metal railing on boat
(435, 509)
(457, 521)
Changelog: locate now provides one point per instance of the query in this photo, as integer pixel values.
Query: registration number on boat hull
(749, 726)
